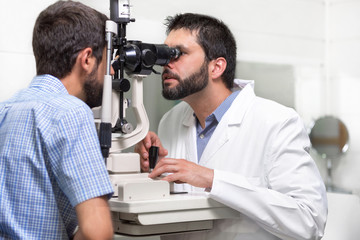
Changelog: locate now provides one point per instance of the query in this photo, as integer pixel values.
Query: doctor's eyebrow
(181, 47)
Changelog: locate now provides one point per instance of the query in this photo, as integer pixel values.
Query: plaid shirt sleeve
(75, 157)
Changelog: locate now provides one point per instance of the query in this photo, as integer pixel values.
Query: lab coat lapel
(231, 119)
(189, 123)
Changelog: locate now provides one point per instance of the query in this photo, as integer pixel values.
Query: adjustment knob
(127, 128)
(153, 157)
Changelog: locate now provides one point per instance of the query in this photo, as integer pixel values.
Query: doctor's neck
(206, 101)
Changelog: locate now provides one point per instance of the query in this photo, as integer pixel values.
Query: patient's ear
(86, 60)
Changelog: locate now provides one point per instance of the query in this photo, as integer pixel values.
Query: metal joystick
(153, 157)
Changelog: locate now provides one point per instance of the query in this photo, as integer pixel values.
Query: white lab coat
(262, 168)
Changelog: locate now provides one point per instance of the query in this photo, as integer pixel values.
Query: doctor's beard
(93, 90)
(190, 85)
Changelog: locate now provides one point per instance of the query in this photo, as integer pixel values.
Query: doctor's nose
(170, 65)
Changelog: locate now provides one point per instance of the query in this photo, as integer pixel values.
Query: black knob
(121, 85)
(148, 58)
(153, 156)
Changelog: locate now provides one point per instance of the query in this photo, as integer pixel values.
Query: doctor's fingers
(149, 140)
(144, 164)
(196, 176)
(165, 165)
(172, 162)
(143, 146)
(189, 172)
(144, 156)
(152, 139)
(141, 149)
(162, 151)
(172, 165)
(155, 141)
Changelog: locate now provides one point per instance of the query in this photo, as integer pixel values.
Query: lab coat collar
(241, 83)
(241, 102)
(231, 119)
(189, 119)
(223, 132)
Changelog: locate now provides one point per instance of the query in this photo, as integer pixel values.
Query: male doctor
(247, 152)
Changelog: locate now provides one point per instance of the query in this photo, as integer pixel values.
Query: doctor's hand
(143, 147)
(184, 171)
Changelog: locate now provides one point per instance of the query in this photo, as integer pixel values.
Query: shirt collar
(224, 106)
(48, 83)
(220, 110)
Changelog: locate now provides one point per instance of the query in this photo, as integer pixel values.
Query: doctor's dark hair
(61, 31)
(213, 36)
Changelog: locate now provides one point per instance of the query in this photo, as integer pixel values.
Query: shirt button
(202, 136)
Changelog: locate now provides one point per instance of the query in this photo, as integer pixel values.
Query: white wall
(284, 31)
(17, 62)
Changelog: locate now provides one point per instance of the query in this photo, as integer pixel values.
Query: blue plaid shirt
(50, 161)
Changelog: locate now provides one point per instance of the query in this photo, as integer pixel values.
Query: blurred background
(304, 54)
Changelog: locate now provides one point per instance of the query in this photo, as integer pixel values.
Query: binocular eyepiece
(139, 58)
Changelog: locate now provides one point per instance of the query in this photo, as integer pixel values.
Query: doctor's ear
(217, 67)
